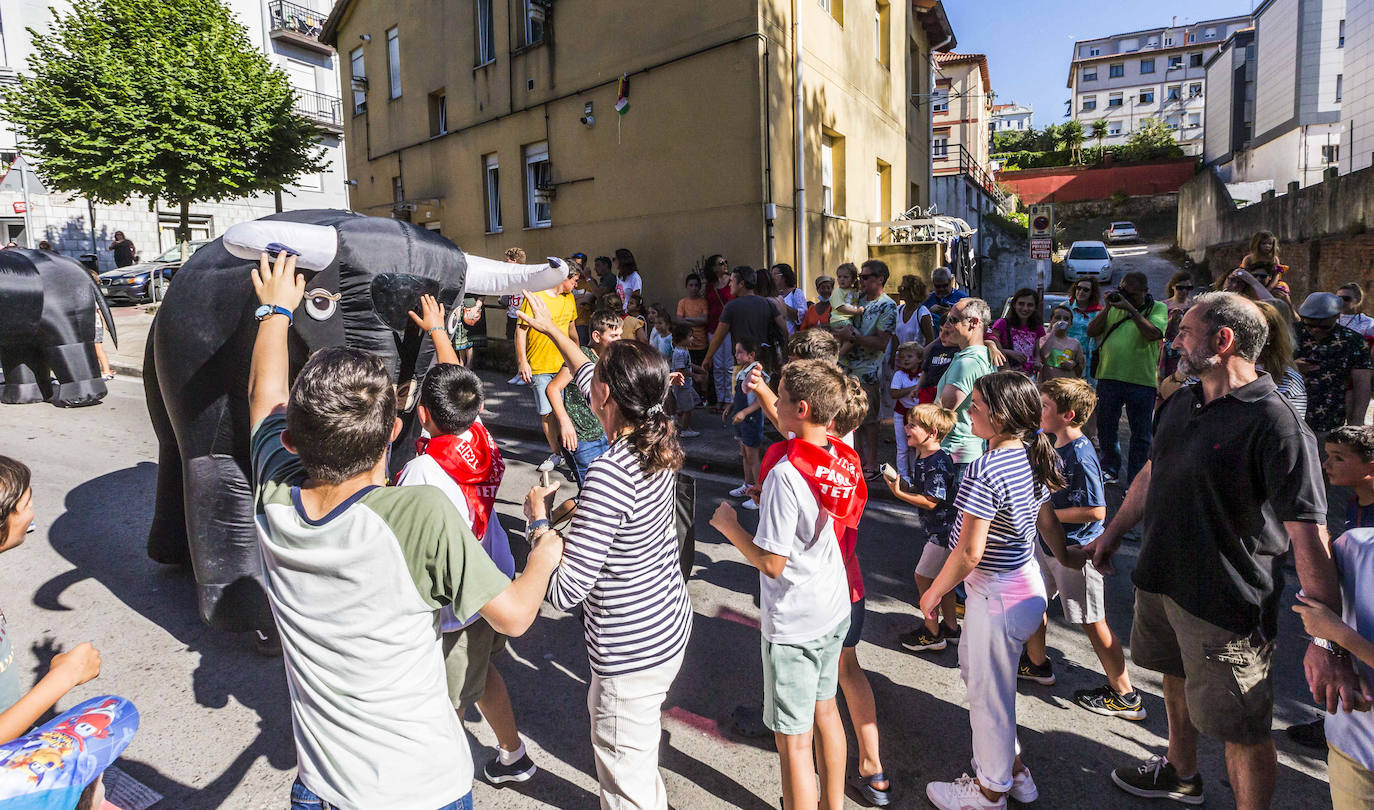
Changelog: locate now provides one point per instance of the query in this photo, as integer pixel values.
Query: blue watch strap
(274, 309)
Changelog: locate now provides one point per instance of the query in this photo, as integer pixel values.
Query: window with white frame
(939, 100)
(534, 21)
(393, 61)
(1194, 60)
(1194, 120)
(1089, 102)
(1173, 92)
(1090, 74)
(1147, 97)
(939, 143)
(881, 32)
(1094, 51)
(1340, 79)
(1195, 90)
(1176, 62)
(1116, 71)
(1173, 122)
(1331, 153)
(1340, 38)
(1147, 66)
(1169, 42)
(1210, 33)
(491, 187)
(358, 80)
(827, 174)
(486, 32)
(1113, 128)
(1115, 100)
(538, 185)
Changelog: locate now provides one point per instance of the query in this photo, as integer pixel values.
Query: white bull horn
(490, 277)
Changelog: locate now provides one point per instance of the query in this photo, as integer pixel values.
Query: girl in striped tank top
(1003, 501)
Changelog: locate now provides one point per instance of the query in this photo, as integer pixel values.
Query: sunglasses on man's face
(1347, 298)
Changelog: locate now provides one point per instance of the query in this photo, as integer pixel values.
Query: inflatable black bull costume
(48, 308)
(364, 274)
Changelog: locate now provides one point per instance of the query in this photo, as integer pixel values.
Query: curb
(125, 369)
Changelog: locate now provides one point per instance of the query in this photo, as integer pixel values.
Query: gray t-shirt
(10, 687)
(748, 318)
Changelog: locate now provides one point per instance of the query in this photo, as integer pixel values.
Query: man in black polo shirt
(1233, 475)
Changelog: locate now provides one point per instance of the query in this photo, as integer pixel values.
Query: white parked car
(1088, 260)
(1121, 232)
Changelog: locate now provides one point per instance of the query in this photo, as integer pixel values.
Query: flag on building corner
(622, 99)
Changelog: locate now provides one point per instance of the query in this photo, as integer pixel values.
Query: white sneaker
(548, 464)
(515, 380)
(739, 491)
(962, 794)
(1023, 787)
(750, 504)
(690, 434)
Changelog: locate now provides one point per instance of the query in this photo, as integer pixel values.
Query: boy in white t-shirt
(462, 461)
(904, 387)
(812, 490)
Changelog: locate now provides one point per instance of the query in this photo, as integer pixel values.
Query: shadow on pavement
(110, 548)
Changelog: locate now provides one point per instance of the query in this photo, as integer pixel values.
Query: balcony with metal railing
(955, 159)
(323, 109)
(297, 24)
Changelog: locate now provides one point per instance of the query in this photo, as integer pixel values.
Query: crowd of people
(1242, 411)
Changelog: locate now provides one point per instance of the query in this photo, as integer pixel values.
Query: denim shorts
(581, 458)
(540, 384)
(303, 798)
(750, 431)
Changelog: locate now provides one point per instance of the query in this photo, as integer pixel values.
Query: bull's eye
(321, 304)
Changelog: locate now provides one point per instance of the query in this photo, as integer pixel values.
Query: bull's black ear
(395, 296)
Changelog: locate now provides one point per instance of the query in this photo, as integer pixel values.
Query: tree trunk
(276, 198)
(90, 207)
(184, 230)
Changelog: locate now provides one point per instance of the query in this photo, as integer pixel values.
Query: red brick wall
(1314, 265)
(1072, 183)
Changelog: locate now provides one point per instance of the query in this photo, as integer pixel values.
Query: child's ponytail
(1014, 407)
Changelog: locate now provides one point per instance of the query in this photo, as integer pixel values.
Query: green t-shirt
(964, 370)
(1125, 355)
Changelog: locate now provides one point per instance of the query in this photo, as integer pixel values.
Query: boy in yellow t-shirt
(539, 359)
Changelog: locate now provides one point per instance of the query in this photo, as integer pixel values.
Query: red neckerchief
(833, 475)
(475, 464)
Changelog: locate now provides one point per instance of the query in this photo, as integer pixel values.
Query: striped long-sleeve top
(620, 560)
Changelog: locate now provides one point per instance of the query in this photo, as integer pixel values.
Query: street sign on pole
(1041, 232)
(1041, 247)
(1041, 221)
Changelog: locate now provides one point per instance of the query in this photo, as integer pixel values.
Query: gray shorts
(798, 676)
(1081, 592)
(932, 560)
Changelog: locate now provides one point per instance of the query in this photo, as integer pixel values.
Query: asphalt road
(216, 724)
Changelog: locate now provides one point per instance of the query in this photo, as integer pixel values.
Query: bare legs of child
(863, 713)
(1105, 644)
(827, 744)
(948, 605)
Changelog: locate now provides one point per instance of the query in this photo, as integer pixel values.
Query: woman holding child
(620, 560)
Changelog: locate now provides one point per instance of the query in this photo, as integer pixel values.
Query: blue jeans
(303, 798)
(581, 458)
(1139, 402)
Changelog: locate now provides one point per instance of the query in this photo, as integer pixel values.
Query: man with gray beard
(1233, 474)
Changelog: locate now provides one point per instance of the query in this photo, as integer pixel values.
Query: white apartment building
(1275, 110)
(286, 31)
(1356, 148)
(1125, 79)
(1012, 116)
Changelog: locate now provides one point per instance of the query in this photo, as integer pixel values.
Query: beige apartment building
(496, 123)
(961, 114)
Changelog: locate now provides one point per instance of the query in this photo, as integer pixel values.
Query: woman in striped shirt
(620, 561)
(1003, 500)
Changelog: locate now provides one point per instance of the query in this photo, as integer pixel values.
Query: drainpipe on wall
(798, 144)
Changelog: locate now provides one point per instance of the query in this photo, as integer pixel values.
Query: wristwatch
(535, 525)
(1331, 647)
(268, 310)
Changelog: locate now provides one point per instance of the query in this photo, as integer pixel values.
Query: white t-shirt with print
(811, 595)
(625, 287)
(900, 379)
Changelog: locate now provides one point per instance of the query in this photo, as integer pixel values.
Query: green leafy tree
(1072, 132)
(164, 99)
(1099, 132)
(1049, 138)
(1152, 140)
